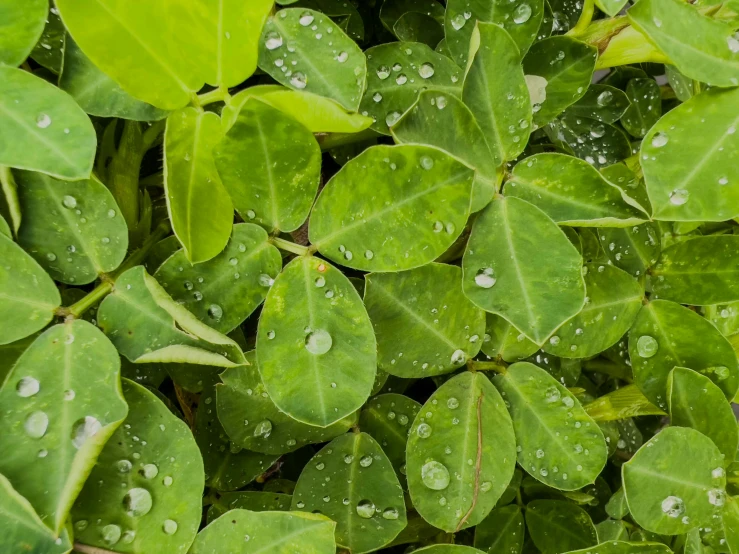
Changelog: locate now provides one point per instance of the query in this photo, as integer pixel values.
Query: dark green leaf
(556, 526)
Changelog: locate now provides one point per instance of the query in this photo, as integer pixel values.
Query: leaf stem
(478, 365)
(217, 95)
(292, 247)
(586, 16)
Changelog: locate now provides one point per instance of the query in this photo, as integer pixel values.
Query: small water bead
(43, 453)
(318, 342)
(377, 97)
(329, 294)
(123, 466)
(401, 79)
(169, 526)
(137, 502)
(521, 14)
(723, 181)
(270, 335)
(485, 278)
(368, 254)
(718, 473)
(320, 466)
(717, 497)
(554, 340)
(273, 40)
(569, 403)
(111, 214)
(392, 118)
(733, 42)
(365, 461)
(111, 534)
(128, 536)
(366, 509)
(427, 163)
(83, 429)
(342, 57)
(604, 98)
(673, 506)
(426, 70)
(43, 121)
(299, 80)
(647, 346)
(435, 475)
(383, 72)
(452, 403)
(69, 202)
(36, 424)
(403, 419)
(51, 256)
(300, 505)
(659, 140)
(441, 102)
(678, 197)
(27, 386)
(265, 280)
(424, 430)
(215, 311)
(597, 130)
(167, 481)
(348, 459)
(149, 471)
(552, 394)
(81, 525)
(306, 18)
(458, 22)
(263, 429)
(458, 357)
(390, 513)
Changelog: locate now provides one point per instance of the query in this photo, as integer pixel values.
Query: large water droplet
(435, 475)
(263, 429)
(306, 18)
(215, 311)
(366, 509)
(717, 497)
(299, 80)
(458, 357)
(673, 506)
(149, 471)
(123, 466)
(318, 342)
(137, 502)
(426, 70)
(36, 424)
(458, 22)
(111, 534)
(365, 461)
(647, 346)
(485, 277)
(27, 386)
(521, 14)
(69, 202)
(604, 98)
(424, 430)
(659, 140)
(83, 429)
(678, 197)
(273, 40)
(169, 526)
(390, 513)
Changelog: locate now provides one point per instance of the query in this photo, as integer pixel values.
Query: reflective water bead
(647, 346)
(366, 509)
(137, 502)
(27, 386)
(435, 475)
(485, 277)
(36, 424)
(318, 342)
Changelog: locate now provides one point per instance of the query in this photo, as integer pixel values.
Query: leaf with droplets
(622, 403)
(397, 72)
(392, 208)
(461, 453)
(48, 51)
(663, 336)
(621, 547)
(556, 526)
(520, 265)
(225, 290)
(61, 402)
(86, 238)
(559, 444)
(252, 420)
(501, 531)
(634, 250)
(423, 322)
(645, 108)
(191, 181)
(314, 329)
(344, 14)
(42, 128)
(502, 340)
(273, 532)
(601, 102)
(599, 144)
(327, 61)
(394, 10)
(21, 27)
(448, 549)
(146, 325)
(145, 489)
(279, 159)
(675, 482)
(256, 501)
(364, 496)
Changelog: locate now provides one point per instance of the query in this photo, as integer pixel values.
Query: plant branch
(478, 365)
(292, 247)
(217, 95)
(586, 16)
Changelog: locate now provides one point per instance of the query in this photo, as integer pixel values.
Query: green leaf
(98, 94)
(397, 72)
(86, 237)
(318, 114)
(144, 492)
(453, 129)
(49, 49)
(29, 297)
(273, 532)
(448, 549)
(558, 71)
(559, 444)
(675, 482)
(328, 62)
(730, 520)
(621, 547)
(146, 325)
(61, 403)
(252, 420)
(502, 340)
(521, 19)
(344, 14)
(21, 27)
(700, 47)
(616, 506)
(611, 7)
(520, 265)
(495, 91)
(257, 501)
(23, 530)
(281, 161)
(699, 271)
(571, 192)
(42, 128)
(624, 402)
(614, 300)
(394, 10)
(314, 329)
(225, 290)
(599, 144)
(363, 497)
(392, 208)
(634, 250)
(461, 453)
(501, 531)
(5, 228)
(423, 322)
(689, 180)
(697, 403)
(556, 526)
(191, 181)
(601, 102)
(663, 336)
(645, 108)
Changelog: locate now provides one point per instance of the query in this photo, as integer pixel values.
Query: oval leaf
(634, 250)
(501, 531)
(556, 526)
(20, 29)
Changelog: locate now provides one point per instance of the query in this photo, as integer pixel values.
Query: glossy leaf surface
(22, 24)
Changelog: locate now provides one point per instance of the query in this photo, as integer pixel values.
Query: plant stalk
(216, 95)
(291, 247)
(583, 22)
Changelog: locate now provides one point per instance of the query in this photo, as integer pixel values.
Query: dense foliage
(448, 277)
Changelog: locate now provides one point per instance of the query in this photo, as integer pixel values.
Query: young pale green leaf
(557, 526)
(85, 237)
(20, 28)
(520, 265)
(317, 113)
(225, 290)
(495, 91)
(501, 531)
(98, 94)
(599, 144)
(502, 340)
(634, 250)
(620, 404)
(29, 297)
(520, 18)
(278, 158)
(699, 46)
(141, 47)
(273, 532)
(601, 102)
(42, 128)
(559, 444)
(558, 72)
(697, 403)
(392, 208)
(144, 492)
(675, 482)
(571, 192)
(423, 322)
(252, 420)
(461, 453)
(304, 49)
(147, 325)
(314, 329)
(452, 128)
(363, 497)
(191, 182)
(61, 403)
(397, 72)
(699, 271)
(645, 108)
(622, 547)
(689, 180)
(663, 336)
(614, 299)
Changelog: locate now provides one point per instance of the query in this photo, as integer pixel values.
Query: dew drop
(43, 121)
(390, 513)
(521, 14)
(678, 197)
(149, 471)
(427, 163)
(424, 430)
(169, 526)
(673, 506)
(485, 277)
(318, 342)
(299, 80)
(426, 70)
(83, 429)
(306, 18)
(69, 202)
(366, 509)
(273, 40)
(458, 22)
(111, 534)
(647, 346)
(435, 475)
(36, 424)
(659, 140)
(383, 72)
(365, 461)
(137, 502)
(27, 386)
(215, 312)
(263, 429)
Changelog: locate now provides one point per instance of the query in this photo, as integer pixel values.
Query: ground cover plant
(351, 276)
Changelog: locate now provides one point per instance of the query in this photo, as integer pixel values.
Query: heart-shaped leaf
(501, 531)
(556, 526)
(20, 29)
